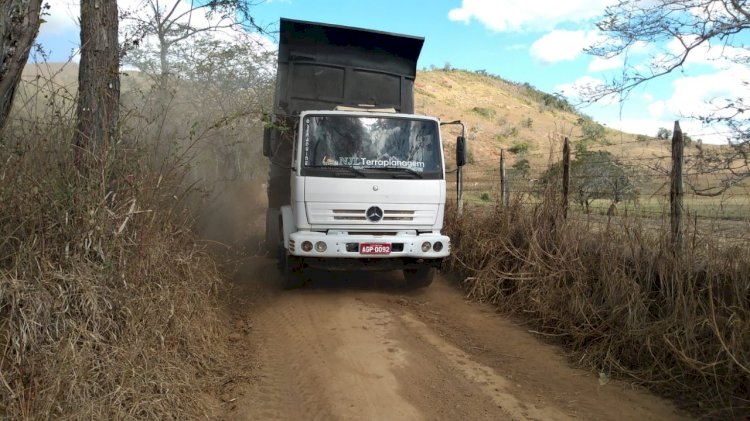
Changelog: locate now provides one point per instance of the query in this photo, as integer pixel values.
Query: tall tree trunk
(19, 24)
(98, 79)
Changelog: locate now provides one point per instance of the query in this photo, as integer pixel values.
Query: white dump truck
(356, 180)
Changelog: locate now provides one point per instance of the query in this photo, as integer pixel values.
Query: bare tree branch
(694, 25)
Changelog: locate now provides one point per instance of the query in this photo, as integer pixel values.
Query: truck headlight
(426, 246)
(320, 246)
(437, 246)
(306, 246)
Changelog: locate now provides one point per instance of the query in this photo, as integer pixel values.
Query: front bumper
(342, 245)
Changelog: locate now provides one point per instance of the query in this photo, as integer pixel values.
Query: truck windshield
(380, 147)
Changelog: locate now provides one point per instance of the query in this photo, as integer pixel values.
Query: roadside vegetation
(623, 305)
(110, 300)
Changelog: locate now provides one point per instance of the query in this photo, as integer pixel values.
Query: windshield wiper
(407, 170)
(339, 167)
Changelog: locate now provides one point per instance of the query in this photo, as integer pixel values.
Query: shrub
(520, 148)
(484, 112)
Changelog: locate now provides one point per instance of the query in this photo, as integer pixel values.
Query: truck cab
(368, 192)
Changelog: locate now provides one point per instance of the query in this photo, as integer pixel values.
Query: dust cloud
(233, 218)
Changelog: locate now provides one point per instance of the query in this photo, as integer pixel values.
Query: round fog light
(426, 246)
(306, 246)
(320, 247)
(437, 246)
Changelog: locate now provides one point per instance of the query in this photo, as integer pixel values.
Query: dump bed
(321, 66)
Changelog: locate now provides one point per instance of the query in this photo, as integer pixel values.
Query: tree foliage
(159, 28)
(594, 175)
(663, 133)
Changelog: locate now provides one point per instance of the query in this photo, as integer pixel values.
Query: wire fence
(609, 181)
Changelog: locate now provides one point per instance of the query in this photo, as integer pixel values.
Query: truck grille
(321, 213)
(359, 215)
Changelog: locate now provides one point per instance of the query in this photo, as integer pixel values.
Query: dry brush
(618, 299)
(108, 304)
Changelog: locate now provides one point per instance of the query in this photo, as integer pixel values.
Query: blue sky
(534, 41)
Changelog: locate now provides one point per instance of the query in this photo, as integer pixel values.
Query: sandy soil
(359, 347)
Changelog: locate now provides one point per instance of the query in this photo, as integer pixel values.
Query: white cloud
(62, 17)
(644, 126)
(692, 96)
(703, 94)
(656, 108)
(650, 126)
(515, 47)
(599, 64)
(719, 57)
(517, 15)
(560, 45)
(573, 90)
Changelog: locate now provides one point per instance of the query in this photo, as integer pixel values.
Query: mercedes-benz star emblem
(374, 213)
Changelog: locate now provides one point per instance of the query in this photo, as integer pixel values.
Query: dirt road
(358, 347)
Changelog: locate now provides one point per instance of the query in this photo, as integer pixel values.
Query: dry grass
(504, 110)
(618, 299)
(108, 305)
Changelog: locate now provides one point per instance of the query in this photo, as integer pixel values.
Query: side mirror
(267, 152)
(460, 151)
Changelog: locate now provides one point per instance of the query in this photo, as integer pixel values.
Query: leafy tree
(663, 133)
(594, 175)
(520, 148)
(693, 26)
(19, 24)
(521, 167)
(590, 130)
(175, 22)
(213, 76)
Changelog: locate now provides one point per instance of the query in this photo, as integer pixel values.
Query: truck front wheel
(419, 277)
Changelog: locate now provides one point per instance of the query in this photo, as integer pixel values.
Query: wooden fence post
(565, 176)
(503, 180)
(676, 192)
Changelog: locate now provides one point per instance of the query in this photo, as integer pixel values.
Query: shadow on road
(260, 276)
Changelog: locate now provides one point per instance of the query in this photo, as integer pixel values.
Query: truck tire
(294, 272)
(419, 277)
(273, 241)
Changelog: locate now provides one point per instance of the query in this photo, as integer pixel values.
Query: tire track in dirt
(356, 348)
(325, 360)
(493, 385)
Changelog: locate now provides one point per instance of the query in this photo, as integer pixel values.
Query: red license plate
(375, 248)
